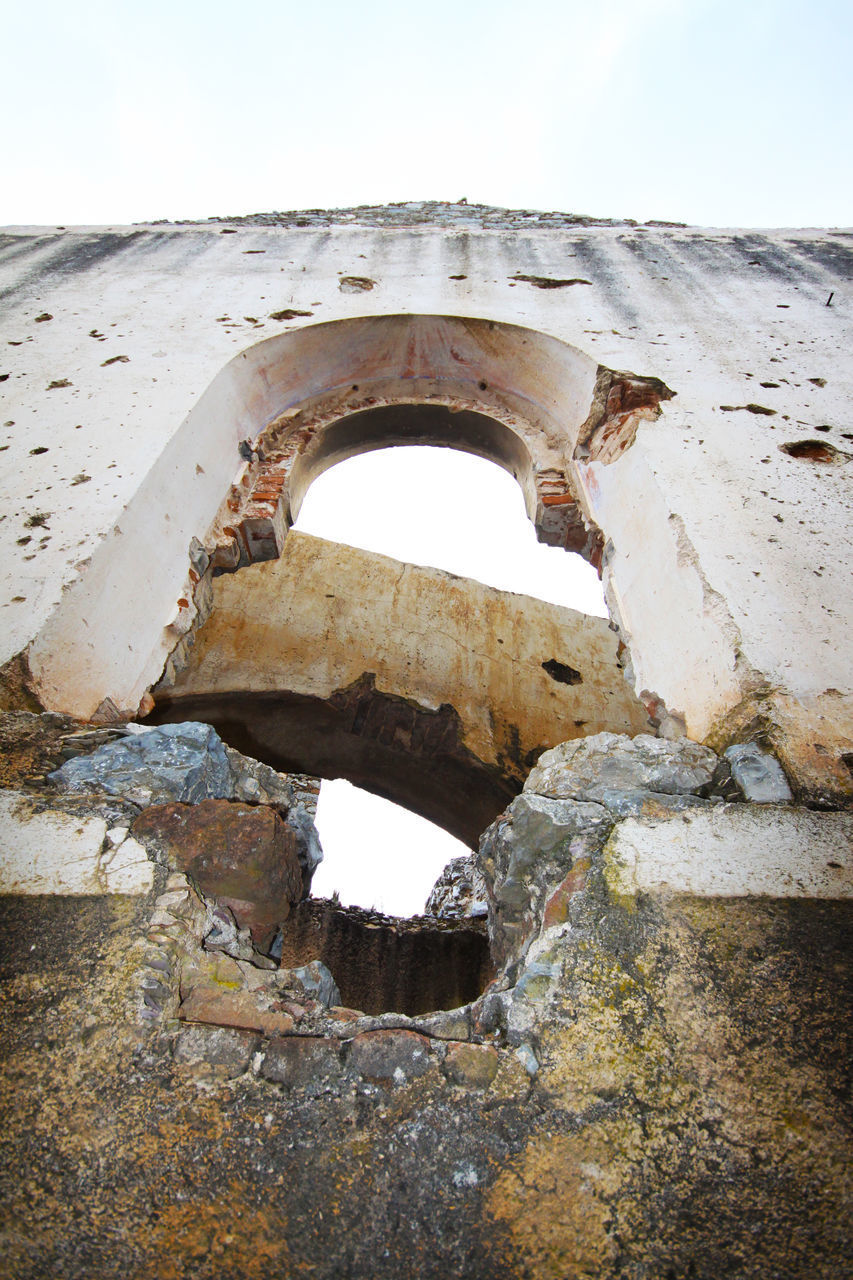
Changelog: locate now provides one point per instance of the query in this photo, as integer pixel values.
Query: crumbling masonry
(617, 1045)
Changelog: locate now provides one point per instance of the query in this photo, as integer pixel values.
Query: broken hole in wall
(368, 918)
(451, 510)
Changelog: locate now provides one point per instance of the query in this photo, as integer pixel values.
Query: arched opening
(283, 657)
(451, 510)
(401, 715)
(114, 629)
(449, 738)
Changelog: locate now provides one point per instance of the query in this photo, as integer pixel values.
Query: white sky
(712, 112)
(720, 112)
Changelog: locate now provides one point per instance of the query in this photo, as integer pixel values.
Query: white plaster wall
(734, 851)
(688, 306)
(48, 851)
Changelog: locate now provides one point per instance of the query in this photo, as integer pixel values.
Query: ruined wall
(735, 622)
(656, 1082)
(648, 1075)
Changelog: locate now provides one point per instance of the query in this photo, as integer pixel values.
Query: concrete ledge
(62, 853)
(734, 851)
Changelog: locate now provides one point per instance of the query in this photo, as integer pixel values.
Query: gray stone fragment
(605, 763)
(537, 981)
(758, 775)
(491, 1011)
(223, 934)
(309, 851)
(181, 762)
(317, 982)
(526, 853)
(257, 783)
(527, 1058)
(226, 1048)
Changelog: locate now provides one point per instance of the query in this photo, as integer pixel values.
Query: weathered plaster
(66, 853)
(734, 851)
(728, 548)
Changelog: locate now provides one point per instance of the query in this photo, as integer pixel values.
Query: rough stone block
(590, 768)
(257, 783)
(312, 1063)
(247, 1009)
(226, 1049)
(758, 775)
(317, 982)
(389, 1055)
(184, 762)
(244, 855)
(527, 853)
(472, 1065)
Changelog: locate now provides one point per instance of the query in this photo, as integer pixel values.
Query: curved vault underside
(431, 690)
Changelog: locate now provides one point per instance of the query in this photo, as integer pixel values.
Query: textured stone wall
(687, 1117)
(649, 1077)
(655, 1082)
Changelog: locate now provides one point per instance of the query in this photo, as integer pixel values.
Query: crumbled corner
(191, 611)
(621, 402)
(812, 751)
(250, 525)
(666, 723)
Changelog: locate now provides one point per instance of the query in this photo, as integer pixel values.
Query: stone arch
(275, 415)
(511, 395)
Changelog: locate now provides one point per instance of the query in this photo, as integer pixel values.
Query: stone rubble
(286, 1021)
(248, 845)
(758, 775)
(459, 892)
(188, 763)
